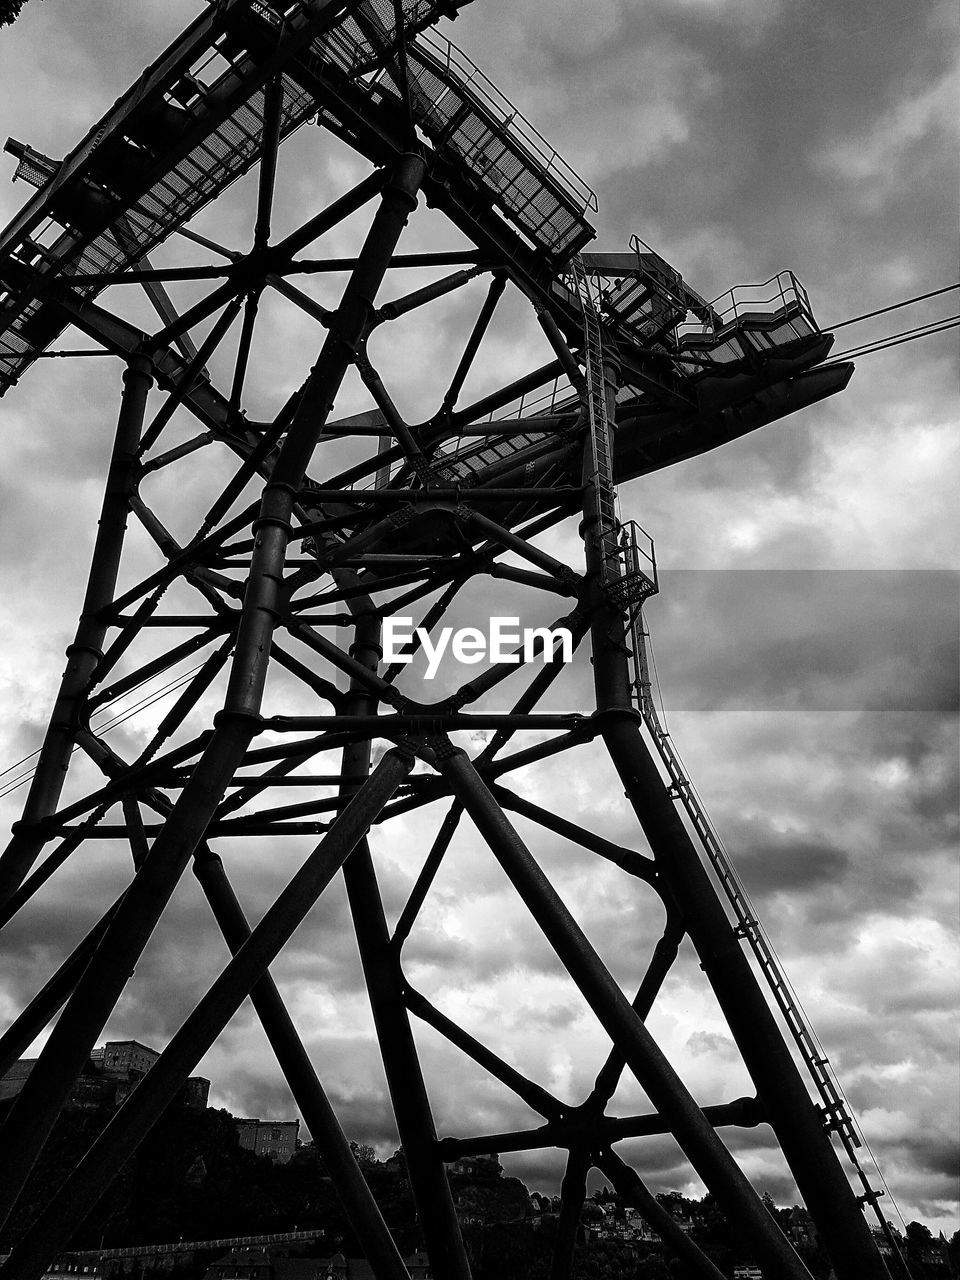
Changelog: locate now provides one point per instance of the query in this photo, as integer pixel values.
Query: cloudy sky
(806, 632)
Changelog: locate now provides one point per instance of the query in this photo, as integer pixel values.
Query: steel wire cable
(808, 1027)
(896, 339)
(11, 767)
(764, 943)
(14, 783)
(122, 718)
(127, 712)
(895, 306)
(656, 676)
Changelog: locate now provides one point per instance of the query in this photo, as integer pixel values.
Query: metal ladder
(748, 927)
(605, 493)
(833, 1106)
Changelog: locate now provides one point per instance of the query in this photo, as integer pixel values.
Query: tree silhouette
(9, 10)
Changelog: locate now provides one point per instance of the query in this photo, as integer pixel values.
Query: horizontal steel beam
(426, 722)
(578, 1130)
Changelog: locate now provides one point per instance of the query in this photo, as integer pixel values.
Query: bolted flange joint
(235, 715)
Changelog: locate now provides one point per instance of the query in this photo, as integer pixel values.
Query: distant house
(798, 1226)
(638, 1228)
(71, 1269)
(276, 1139)
(128, 1061)
(124, 1057)
(110, 1074)
(483, 1166)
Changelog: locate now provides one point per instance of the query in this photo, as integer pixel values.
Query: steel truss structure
(327, 526)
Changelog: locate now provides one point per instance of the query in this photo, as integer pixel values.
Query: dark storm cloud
(808, 640)
(942, 1158)
(784, 865)
(737, 138)
(884, 889)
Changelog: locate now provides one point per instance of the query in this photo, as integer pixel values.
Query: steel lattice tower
(323, 527)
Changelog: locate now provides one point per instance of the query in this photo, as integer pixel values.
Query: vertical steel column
(573, 1192)
(795, 1120)
(87, 648)
(629, 1187)
(381, 969)
(35, 1110)
(661, 1083)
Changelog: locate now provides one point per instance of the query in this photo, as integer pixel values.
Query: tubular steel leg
(661, 962)
(35, 1110)
(573, 1192)
(85, 652)
(664, 1088)
(798, 1126)
(381, 968)
(126, 1130)
(628, 1185)
(318, 1115)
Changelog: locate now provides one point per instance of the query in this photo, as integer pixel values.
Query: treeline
(191, 1180)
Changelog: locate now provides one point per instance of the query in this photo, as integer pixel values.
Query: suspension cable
(15, 783)
(895, 306)
(868, 315)
(897, 339)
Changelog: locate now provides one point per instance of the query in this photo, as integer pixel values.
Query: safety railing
(638, 569)
(190, 1246)
(833, 1106)
(463, 456)
(209, 63)
(780, 295)
(482, 134)
(469, 76)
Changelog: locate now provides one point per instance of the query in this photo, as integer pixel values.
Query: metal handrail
(773, 296)
(469, 76)
(187, 1246)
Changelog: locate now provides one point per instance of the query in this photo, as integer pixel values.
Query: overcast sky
(807, 628)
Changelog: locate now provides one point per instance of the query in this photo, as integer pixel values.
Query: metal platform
(750, 321)
(469, 120)
(189, 128)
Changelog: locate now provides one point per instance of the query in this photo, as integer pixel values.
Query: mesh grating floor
(468, 121)
(137, 223)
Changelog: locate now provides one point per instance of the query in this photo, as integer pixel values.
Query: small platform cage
(638, 568)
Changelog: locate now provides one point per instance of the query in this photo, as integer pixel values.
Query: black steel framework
(353, 520)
